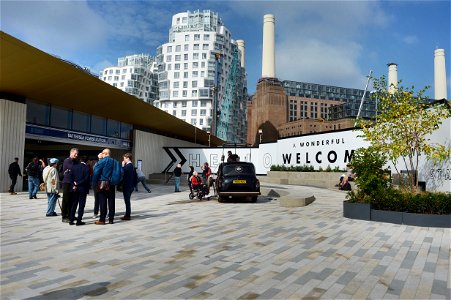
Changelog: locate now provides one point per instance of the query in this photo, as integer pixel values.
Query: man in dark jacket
(129, 182)
(102, 172)
(80, 189)
(34, 170)
(14, 171)
(67, 183)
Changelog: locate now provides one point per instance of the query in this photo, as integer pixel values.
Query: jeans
(127, 192)
(13, 183)
(143, 181)
(96, 202)
(106, 201)
(177, 184)
(33, 186)
(67, 201)
(78, 199)
(51, 197)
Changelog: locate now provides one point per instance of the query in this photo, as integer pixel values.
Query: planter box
(386, 216)
(360, 211)
(425, 220)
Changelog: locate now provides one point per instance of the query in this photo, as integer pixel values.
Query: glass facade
(59, 117)
(350, 97)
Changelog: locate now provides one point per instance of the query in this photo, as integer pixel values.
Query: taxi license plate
(239, 181)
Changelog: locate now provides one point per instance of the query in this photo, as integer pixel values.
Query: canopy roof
(28, 72)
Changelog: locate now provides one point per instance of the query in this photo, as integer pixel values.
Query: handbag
(103, 185)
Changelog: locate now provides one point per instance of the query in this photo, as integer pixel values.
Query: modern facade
(201, 75)
(329, 102)
(135, 75)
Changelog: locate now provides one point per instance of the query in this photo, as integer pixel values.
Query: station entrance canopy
(29, 73)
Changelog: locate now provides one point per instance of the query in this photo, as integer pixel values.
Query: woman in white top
(51, 180)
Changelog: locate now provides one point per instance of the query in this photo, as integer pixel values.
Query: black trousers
(107, 197)
(96, 202)
(78, 199)
(67, 201)
(13, 183)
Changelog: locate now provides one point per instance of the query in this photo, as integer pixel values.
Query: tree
(404, 121)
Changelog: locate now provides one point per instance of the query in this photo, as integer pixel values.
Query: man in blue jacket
(80, 181)
(106, 191)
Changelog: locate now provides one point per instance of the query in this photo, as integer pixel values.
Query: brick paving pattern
(176, 248)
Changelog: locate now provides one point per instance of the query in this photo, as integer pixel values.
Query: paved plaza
(176, 248)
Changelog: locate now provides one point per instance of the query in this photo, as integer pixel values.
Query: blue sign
(77, 136)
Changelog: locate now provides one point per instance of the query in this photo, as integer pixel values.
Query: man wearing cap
(51, 180)
(14, 171)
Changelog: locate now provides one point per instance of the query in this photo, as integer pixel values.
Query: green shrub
(367, 164)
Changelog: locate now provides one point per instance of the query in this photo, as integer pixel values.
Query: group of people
(75, 177)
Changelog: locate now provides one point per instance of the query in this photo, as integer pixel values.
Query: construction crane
(363, 97)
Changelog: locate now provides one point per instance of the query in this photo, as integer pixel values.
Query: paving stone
(176, 248)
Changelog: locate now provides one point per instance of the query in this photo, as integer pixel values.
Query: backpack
(117, 174)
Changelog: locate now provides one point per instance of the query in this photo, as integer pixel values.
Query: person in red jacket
(195, 181)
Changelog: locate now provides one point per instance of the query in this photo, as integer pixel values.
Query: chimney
(392, 77)
(268, 56)
(439, 74)
(240, 44)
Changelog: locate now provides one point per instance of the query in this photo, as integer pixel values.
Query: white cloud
(410, 39)
(320, 41)
(59, 27)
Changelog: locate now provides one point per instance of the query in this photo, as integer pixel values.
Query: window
(185, 47)
(177, 57)
(185, 84)
(201, 122)
(197, 37)
(203, 103)
(38, 113)
(194, 93)
(195, 73)
(169, 49)
(194, 84)
(205, 47)
(184, 93)
(196, 47)
(202, 64)
(175, 93)
(176, 75)
(204, 55)
(185, 66)
(203, 112)
(60, 117)
(175, 85)
(183, 103)
(195, 65)
(206, 37)
(194, 103)
(113, 128)
(183, 113)
(174, 112)
(185, 56)
(186, 37)
(185, 74)
(195, 55)
(177, 67)
(126, 131)
(174, 104)
(178, 48)
(194, 112)
(98, 125)
(193, 122)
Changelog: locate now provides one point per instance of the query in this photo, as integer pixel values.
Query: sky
(326, 42)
